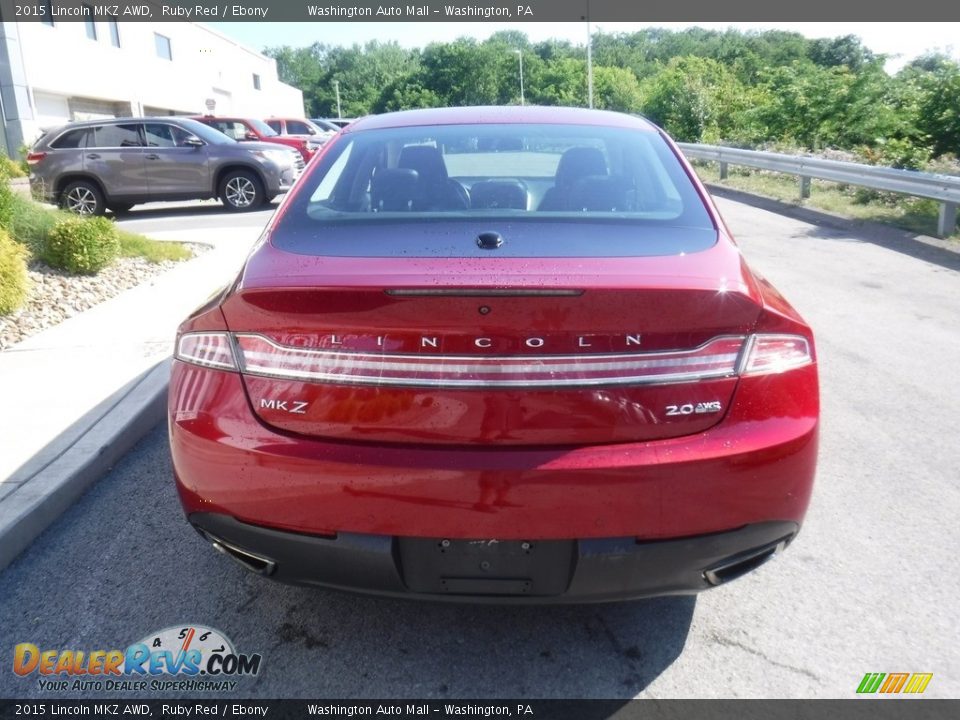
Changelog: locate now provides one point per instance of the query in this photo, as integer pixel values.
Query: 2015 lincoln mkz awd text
(505, 354)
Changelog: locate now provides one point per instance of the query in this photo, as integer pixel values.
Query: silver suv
(87, 167)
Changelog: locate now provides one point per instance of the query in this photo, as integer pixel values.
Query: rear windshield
(541, 183)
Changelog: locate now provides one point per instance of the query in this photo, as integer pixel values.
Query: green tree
(936, 80)
(560, 81)
(406, 93)
(699, 100)
(616, 89)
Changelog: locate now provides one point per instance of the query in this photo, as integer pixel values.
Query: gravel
(54, 296)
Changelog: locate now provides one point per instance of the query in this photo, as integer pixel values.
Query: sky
(901, 41)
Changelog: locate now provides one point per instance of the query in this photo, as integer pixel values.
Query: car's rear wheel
(83, 198)
(241, 190)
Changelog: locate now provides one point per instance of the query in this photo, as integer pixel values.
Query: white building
(54, 72)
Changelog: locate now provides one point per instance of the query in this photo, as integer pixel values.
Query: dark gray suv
(88, 167)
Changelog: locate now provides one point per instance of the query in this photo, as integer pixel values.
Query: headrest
(578, 162)
(393, 189)
(426, 160)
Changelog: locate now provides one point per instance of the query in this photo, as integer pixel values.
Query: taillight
(770, 354)
(208, 349)
(762, 354)
(34, 157)
(263, 357)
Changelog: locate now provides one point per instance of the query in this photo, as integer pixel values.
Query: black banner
(860, 709)
(480, 11)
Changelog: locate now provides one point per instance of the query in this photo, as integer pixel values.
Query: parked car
(546, 375)
(252, 130)
(325, 124)
(88, 167)
(338, 123)
(300, 127)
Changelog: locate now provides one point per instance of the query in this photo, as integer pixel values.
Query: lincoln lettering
(583, 342)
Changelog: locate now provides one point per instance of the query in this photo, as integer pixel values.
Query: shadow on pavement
(150, 212)
(944, 253)
(127, 538)
(437, 650)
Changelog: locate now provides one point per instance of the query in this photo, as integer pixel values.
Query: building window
(114, 33)
(256, 81)
(46, 8)
(163, 46)
(89, 23)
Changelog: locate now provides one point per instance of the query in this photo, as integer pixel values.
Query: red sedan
(506, 354)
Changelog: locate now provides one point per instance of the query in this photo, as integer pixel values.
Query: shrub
(13, 274)
(12, 168)
(8, 200)
(81, 245)
(28, 222)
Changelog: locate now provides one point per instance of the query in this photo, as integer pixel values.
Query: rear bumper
(745, 471)
(573, 571)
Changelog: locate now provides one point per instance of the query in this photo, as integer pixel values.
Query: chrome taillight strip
(263, 357)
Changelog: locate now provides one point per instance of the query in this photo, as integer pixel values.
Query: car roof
(120, 120)
(494, 115)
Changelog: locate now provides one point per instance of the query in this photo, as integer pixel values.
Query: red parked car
(542, 375)
(243, 129)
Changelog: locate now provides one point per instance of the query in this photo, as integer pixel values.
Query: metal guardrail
(944, 188)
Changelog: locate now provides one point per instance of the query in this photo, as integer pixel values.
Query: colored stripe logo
(893, 683)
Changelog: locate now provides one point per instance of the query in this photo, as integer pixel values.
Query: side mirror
(251, 136)
(194, 141)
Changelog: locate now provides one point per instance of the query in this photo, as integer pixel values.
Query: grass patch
(917, 215)
(134, 245)
(30, 223)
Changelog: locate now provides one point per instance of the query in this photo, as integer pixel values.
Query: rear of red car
(251, 129)
(502, 354)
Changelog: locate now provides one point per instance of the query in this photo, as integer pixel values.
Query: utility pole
(520, 55)
(336, 87)
(589, 61)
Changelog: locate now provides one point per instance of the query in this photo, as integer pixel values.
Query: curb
(58, 475)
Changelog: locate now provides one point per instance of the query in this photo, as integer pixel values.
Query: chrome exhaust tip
(258, 564)
(740, 565)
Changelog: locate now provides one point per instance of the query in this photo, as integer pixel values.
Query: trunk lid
(506, 351)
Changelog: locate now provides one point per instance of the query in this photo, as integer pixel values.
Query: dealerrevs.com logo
(894, 683)
(184, 658)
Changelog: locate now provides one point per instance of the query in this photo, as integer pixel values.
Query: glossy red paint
(755, 466)
(375, 472)
(497, 114)
(551, 463)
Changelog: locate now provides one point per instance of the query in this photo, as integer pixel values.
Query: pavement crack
(760, 654)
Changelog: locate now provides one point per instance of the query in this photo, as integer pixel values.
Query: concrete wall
(70, 76)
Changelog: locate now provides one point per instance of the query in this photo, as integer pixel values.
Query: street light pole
(520, 56)
(336, 87)
(589, 62)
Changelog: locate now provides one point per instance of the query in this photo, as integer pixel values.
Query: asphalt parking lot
(869, 586)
